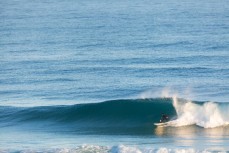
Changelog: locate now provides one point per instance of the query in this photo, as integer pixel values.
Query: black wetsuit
(164, 118)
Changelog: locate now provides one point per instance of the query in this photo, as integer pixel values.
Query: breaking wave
(118, 116)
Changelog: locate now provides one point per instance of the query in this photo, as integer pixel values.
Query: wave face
(116, 117)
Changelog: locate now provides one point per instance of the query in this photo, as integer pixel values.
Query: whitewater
(207, 115)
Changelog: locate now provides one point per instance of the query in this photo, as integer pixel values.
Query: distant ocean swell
(118, 116)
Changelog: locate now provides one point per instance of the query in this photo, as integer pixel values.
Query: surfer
(164, 118)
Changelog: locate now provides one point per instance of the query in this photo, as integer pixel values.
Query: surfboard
(162, 124)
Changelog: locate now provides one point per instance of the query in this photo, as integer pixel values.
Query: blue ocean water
(95, 75)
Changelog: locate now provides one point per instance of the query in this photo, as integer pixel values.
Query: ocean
(94, 76)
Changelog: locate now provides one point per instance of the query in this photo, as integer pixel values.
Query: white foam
(128, 149)
(116, 149)
(125, 149)
(207, 115)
